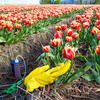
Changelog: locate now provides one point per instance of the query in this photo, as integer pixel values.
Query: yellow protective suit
(42, 76)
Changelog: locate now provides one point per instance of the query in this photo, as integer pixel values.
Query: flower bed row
(66, 41)
(15, 26)
(15, 8)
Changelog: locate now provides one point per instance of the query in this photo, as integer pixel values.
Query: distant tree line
(97, 1)
(59, 1)
(50, 2)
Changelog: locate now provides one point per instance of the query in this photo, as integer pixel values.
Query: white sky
(19, 1)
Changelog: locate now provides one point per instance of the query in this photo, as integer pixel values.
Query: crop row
(85, 29)
(15, 26)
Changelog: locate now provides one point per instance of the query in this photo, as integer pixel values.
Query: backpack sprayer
(15, 65)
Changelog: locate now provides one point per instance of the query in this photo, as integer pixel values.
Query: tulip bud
(16, 33)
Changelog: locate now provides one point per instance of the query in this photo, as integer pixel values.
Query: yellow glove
(36, 72)
(41, 77)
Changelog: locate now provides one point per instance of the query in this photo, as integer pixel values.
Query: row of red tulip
(16, 22)
(85, 29)
(71, 33)
(18, 8)
(31, 17)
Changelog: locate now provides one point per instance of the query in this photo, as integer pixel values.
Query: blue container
(12, 65)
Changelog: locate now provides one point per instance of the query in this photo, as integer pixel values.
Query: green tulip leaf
(76, 74)
(58, 81)
(98, 68)
(88, 77)
(50, 55)
(94, 73)
(2, 40)
(41, 56)
(98, 79)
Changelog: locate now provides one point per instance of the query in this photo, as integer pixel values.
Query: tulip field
(70, 62)
(18, 22)
(85, 29)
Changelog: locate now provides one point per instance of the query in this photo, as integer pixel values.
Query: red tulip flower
(68, 52)
(94, 30)
(68, 39)
(58, 28)
(98, 49)
(0, 27)
(7, 25)
(69, 32)
(78, 29)
(63, 27)
(78, 17)
(31, 23)
(75, 24)
(17, 26)
(10, 29)
(98, 15)
(98, 27)
(86, 20)
(46, 49)
(40, 17)
(85, 24)
(89, 16)
(98, 36)
(97, 22)
(58, 35)
(14, 20)
(55, 42)
(75, 35)
(3, 24)
(45, 17)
